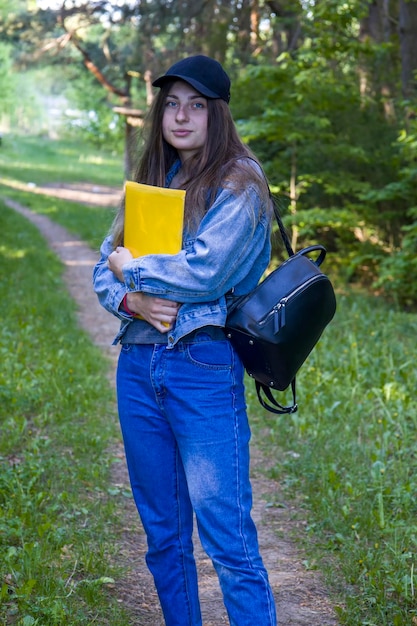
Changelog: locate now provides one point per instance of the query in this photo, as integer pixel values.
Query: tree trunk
(287, 32)
(408, 46)
(130, 150)
(380, 76)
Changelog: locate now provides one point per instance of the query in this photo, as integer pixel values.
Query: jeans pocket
(214, 355)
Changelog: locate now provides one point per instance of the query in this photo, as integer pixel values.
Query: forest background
(325, 94)
(323, 91)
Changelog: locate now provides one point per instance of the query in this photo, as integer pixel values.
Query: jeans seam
(186, 590)
(270, 606)
(238, 482)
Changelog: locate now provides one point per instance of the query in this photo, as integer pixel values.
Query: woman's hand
(117, 259)
(158, 312)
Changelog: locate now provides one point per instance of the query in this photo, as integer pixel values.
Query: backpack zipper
(278, 310)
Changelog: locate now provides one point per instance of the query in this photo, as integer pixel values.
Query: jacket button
(132, 284)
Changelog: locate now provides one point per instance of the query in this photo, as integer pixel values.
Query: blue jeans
(186, 434)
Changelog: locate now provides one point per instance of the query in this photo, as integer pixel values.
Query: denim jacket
(228, 253)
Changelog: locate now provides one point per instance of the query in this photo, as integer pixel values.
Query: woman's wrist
(126, 307)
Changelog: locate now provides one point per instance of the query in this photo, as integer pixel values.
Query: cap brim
(191, 81)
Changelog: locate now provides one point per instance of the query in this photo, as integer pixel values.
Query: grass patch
(86, 222)
(58, 521)
(349, 456)
(40, 160)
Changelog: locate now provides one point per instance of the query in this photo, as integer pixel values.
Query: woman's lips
(181, 133)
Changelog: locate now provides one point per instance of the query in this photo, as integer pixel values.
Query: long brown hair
(222, 162)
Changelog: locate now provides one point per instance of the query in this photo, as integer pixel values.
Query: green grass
(39, 160)
(348, 458)
(87, 222)
(58, 520)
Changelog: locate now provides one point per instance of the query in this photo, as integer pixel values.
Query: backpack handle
(316, 248)
(275, 407)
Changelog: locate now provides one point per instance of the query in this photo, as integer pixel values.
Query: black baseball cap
(203, 73)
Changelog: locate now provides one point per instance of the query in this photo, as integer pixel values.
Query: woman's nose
(182, 112)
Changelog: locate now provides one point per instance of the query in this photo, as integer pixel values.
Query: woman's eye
(173, 104)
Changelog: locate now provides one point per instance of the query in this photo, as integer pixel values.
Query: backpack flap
(274, 328)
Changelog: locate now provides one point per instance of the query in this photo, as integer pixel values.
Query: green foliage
(349, 174)
(348, 457)
(397, 273)
(57, 422)
(7, 79)
(398, 270)
(28, 114)
(91, 116)
(327, 121)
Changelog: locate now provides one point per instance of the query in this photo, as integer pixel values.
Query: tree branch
(97, 73)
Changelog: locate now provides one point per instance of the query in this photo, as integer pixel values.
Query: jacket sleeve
(231, 236)
(109, 289)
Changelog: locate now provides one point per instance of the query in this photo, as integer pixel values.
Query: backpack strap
(282, 230)
(276, 407)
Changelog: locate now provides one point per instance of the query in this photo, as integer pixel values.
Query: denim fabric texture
(186, 434)
(230, 251)
(183, 414)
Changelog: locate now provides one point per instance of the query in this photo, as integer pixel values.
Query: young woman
(179, 382)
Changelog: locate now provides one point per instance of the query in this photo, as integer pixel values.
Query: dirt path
(300, 595)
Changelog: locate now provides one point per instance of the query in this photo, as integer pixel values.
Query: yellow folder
(154, 219)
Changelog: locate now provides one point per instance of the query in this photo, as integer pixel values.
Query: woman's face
(184, 122)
